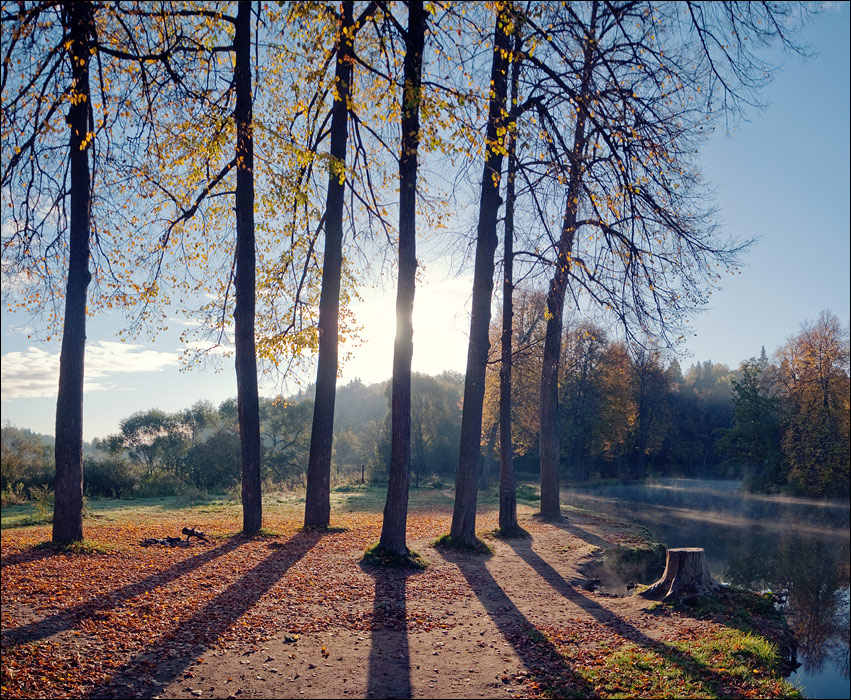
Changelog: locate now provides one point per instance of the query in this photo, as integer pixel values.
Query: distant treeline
(779, 423)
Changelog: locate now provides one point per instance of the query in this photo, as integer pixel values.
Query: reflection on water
(796, 546)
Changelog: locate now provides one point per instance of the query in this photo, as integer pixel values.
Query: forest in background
(778, 423)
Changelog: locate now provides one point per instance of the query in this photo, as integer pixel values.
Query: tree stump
(686, 576)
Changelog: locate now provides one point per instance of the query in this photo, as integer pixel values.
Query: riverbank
(295, 614)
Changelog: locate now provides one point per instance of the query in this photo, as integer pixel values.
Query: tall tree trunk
(317, 506)
(464, 513)
(507, 483)
(78, 23)
(246, 360)
(396, 508)
(550, 441)
(487, 458)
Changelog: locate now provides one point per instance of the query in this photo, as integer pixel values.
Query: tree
(650, 390)
(26, 459)
(286, 436)
(580, 392)
(813, 370)
(246, 358)
(617, 413)
(317, 505)
(507, 483)
(754, 440)
(466, 480)
(153, 439)
(78, 22)
(396, 508)
(141, 56)
(53, 45)
(193, 76)
(435, 421)
(624, 95)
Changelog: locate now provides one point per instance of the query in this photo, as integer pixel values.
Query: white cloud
(188, 322)
(35, 372)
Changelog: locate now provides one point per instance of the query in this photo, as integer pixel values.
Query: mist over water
(792, 545)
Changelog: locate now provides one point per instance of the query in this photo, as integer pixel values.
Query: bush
(158, 484)
(42, 498)
(113, 477)
(13, 495)
(25, 458)
(192, 495)
(214, 464)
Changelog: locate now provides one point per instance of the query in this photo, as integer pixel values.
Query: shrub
(13, 495)
(42, 498)
(113, 477)
(158, 484)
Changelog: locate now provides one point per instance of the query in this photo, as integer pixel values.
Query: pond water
(793, 545)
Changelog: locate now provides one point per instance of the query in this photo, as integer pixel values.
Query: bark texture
(394, 524)
(246, 359)
(550, 439)
(686, 576)
(317, 506)
(463, 526)
(507, 482)
(78, 21)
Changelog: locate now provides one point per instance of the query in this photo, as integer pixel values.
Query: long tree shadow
(537, 653)
(389, 673)
(26, 556)
(579, 533)
(523, 548)
(71, 617)
(153, 668)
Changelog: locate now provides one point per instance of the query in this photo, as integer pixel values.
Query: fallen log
(194, 532)
(165, 541)
(686, 577)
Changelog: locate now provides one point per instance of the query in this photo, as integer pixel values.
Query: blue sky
(783, 177)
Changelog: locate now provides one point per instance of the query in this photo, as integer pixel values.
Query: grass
(724, 663)
(703, 667)
(371, 498)
(346, 497)
(528, 492)
(376, 555)
(23, 516)
(449, 542)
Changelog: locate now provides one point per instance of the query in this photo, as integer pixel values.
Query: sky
(782, 177)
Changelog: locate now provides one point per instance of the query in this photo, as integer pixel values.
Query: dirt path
(298, 615)
(459, 630)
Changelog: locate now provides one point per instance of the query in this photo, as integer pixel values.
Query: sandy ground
(461, 629)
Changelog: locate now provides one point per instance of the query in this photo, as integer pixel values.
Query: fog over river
(794, 545)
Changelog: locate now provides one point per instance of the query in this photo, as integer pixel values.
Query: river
(794, 545)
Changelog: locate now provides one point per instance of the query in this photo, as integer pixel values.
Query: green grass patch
(324, 530)
(452, 543)
(371, 499)
(376, 555)
(528, 492)
(23, 515)
(264, 533)
(726, 663)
